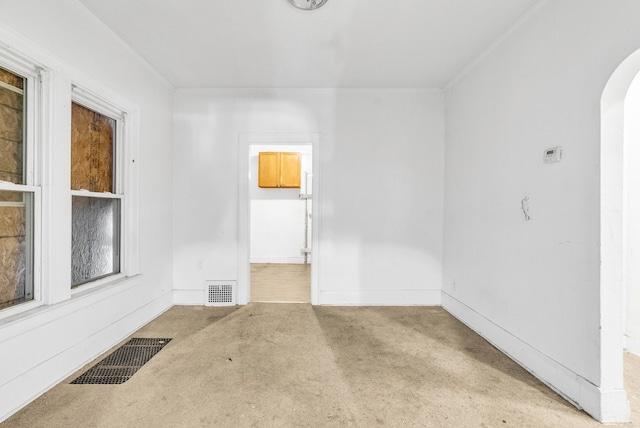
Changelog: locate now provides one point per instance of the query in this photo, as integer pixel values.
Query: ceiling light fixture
(307, 4)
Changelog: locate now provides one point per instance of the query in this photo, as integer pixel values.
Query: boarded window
(92, 150)
(95, 217)
(11, 127)
(16, 284)
(95, 239)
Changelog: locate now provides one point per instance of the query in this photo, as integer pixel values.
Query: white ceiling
(346, 43)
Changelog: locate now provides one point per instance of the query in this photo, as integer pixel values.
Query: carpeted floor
(293, 365)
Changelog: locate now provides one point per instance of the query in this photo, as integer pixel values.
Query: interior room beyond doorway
(280, 222)
(280, 282)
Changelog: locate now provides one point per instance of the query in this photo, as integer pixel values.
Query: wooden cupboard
(279, 169)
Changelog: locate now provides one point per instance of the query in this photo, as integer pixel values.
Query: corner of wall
(610, 406)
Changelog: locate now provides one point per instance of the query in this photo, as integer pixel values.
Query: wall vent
(220, 293)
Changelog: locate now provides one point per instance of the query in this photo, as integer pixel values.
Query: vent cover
(119, 366)
(220, 293)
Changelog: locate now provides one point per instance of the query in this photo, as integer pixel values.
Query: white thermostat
(553, 155)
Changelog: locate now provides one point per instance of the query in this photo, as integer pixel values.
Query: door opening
(631, 214)
(280, 218)
(614, 240)
(277, 222)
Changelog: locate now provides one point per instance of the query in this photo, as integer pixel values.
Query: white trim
(13, 187)
(111, 279)
(407, 297)
(16, 62)
(97, 103)
(129, 184)
(102, 195)
(572, 386)
(44, 149)
(11, 88)
(245, 140)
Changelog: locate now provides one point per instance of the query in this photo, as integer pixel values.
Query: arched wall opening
(613, 242)
(631, 219)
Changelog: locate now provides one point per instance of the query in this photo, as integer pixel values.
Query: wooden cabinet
(279, 169)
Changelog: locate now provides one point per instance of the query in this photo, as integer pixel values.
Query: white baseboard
(342, 298)
(25, 388)
(280, 260)
(605, 406)
(632, 345)
(381, 298)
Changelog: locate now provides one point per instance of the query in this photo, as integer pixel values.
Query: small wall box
(553, 155)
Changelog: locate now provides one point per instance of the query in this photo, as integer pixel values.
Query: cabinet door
(290, 170)
(268, 169)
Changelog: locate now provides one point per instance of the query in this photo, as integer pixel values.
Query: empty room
(319, 213)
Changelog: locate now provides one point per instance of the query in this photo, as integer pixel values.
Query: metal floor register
(120, 365)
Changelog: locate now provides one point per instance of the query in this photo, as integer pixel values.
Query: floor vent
(122, 363)
(220, 293)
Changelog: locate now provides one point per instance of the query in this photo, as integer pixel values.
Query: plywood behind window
(11, 127)
(12, 215)
(92, 145)
(11, 79)
(12, 250)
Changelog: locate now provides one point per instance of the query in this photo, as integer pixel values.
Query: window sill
(99, 284)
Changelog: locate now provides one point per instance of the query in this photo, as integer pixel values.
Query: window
(101, 212)
(96, 190)
(17, 193)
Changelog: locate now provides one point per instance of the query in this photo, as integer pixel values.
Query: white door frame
(245, 140)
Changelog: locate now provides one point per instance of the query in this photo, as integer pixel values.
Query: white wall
(278, 215)
(632, 214)
(41, 347)
(380, 174)
(533, 287)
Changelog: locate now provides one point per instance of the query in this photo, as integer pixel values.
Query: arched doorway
(614, 404)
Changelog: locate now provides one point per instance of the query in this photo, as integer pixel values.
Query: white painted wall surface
(380, 175)
(41, 347)
(277, 215)
(632, 214)
(533, 287)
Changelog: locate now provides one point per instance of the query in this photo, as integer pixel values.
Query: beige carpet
(278, 365)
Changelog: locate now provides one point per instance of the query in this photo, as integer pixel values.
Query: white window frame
(35, 76)
(125, 184)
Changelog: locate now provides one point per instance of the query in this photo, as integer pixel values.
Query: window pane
(16, 243)
(11, 127)
(92, 150)
(95, 238)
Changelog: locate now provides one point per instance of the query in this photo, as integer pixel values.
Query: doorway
(280, 222)
(615, 239)
(300, 254)
(631, 226)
